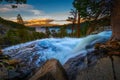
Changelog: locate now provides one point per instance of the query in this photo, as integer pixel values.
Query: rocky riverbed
(42, 59)
(97, 65)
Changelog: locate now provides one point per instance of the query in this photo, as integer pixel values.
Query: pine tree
(19, 19)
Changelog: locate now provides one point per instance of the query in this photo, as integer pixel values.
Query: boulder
(107, 67)
(51, 70)
(77, 63)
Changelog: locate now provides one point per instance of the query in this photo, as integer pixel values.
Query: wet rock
(109, 48)
(103, 70)
(12, 62)
(80, 62)
(51, 70)
(3, 72)
(72, 66)
(8, 67)
(116, 63)
(107, 68)
(12, 74)
(2, 56)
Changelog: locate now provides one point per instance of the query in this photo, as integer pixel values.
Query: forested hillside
(12, 33)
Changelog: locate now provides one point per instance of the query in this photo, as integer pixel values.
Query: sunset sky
(39, 10)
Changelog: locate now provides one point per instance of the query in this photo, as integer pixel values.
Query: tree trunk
(90, 30)
(74, 23)
(115, 20)
(78, 26)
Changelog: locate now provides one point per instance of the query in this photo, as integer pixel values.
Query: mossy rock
(12, 62)
(6, 57)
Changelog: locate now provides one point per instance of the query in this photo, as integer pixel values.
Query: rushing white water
(58, 48)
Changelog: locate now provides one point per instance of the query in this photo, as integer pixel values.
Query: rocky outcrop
(10, 69)
(78, 68)
(80, 62)
(107, 68)
(101, 64)
(103, 70)
(109, 48)
(51, 70)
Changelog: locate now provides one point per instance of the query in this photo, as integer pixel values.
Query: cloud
(45, 22)
(25, 9)
(39, 22)
(36, 12)
(60, 15)
(20, 7)
(31, 15)
(4, 9)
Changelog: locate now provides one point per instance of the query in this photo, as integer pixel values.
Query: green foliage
(12, 33)
(84, 28)
(16, 36)
(93, 9)
(81, 6)
(62, 32)
(11, 24)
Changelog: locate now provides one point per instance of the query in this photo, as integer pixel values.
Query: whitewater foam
(58, 48)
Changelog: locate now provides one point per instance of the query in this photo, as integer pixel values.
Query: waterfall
(38, 51)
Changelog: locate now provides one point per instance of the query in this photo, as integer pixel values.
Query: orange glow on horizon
(39, 22)
(45, 22)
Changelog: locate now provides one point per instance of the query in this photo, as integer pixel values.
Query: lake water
(43, 29)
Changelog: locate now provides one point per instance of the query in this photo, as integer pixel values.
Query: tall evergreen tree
(19, 19)
(81, 7)
(73, 18)
(95, 9)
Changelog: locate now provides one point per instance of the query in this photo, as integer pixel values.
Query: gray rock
(3, 72)
(103, 70)
(117, 67)
(80, 62)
